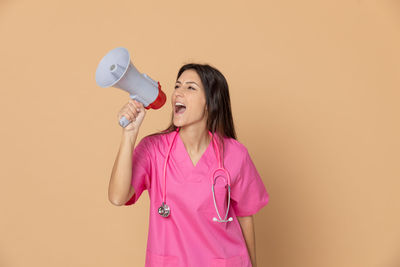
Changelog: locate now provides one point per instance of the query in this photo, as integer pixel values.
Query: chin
(177, 124)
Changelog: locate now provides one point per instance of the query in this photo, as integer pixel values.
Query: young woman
(196, 218)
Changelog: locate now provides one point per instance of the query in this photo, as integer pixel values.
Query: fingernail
(138, 110)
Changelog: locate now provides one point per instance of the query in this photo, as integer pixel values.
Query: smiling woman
(200, 179)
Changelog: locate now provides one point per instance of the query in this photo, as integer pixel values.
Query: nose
(178, 92)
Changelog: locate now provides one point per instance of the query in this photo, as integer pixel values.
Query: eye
(190, 87)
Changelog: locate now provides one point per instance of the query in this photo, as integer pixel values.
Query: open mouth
(179, 108)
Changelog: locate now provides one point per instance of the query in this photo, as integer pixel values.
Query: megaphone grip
(124, 122)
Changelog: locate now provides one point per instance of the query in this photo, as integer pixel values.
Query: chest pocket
(221, 200)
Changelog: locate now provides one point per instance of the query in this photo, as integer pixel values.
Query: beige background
(314, 88)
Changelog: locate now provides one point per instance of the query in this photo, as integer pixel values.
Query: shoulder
(156, 138)
(157, 142)
(236, 157)
(235, 147)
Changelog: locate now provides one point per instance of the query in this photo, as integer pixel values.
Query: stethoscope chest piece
(164, 210)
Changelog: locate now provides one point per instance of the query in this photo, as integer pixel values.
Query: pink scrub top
(189, 236)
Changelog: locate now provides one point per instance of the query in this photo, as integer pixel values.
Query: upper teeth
(179, 104)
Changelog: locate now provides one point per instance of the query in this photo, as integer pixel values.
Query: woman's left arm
(247, 225)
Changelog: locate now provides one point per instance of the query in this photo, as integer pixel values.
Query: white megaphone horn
(116, 69)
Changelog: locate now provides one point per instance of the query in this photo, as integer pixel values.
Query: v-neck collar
(182, 154)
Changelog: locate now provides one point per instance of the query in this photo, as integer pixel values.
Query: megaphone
(116, 69)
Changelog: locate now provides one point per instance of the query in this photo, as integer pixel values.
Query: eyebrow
(188, 82)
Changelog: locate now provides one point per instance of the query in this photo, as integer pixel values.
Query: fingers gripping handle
(123, 122)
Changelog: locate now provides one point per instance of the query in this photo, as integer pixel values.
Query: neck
(195, 139)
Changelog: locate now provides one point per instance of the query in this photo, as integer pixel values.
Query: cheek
(197, 105)
(199, 108)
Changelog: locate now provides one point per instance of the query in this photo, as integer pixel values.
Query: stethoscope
(164, 210)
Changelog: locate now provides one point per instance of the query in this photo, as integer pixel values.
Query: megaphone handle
(124, 122)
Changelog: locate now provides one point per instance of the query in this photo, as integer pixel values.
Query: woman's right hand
(135, 112)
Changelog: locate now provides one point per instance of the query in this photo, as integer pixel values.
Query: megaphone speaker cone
(112, 67)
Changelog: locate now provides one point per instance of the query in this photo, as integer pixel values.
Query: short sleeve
(248, 192)
(141, 170)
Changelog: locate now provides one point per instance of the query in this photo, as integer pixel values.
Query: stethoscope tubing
(220, 168)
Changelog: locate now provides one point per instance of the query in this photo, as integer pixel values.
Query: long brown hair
(219, 120)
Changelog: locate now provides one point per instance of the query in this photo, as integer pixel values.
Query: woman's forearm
(247, 225)
(121, 175)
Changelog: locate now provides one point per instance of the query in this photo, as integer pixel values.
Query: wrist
(130, 136)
